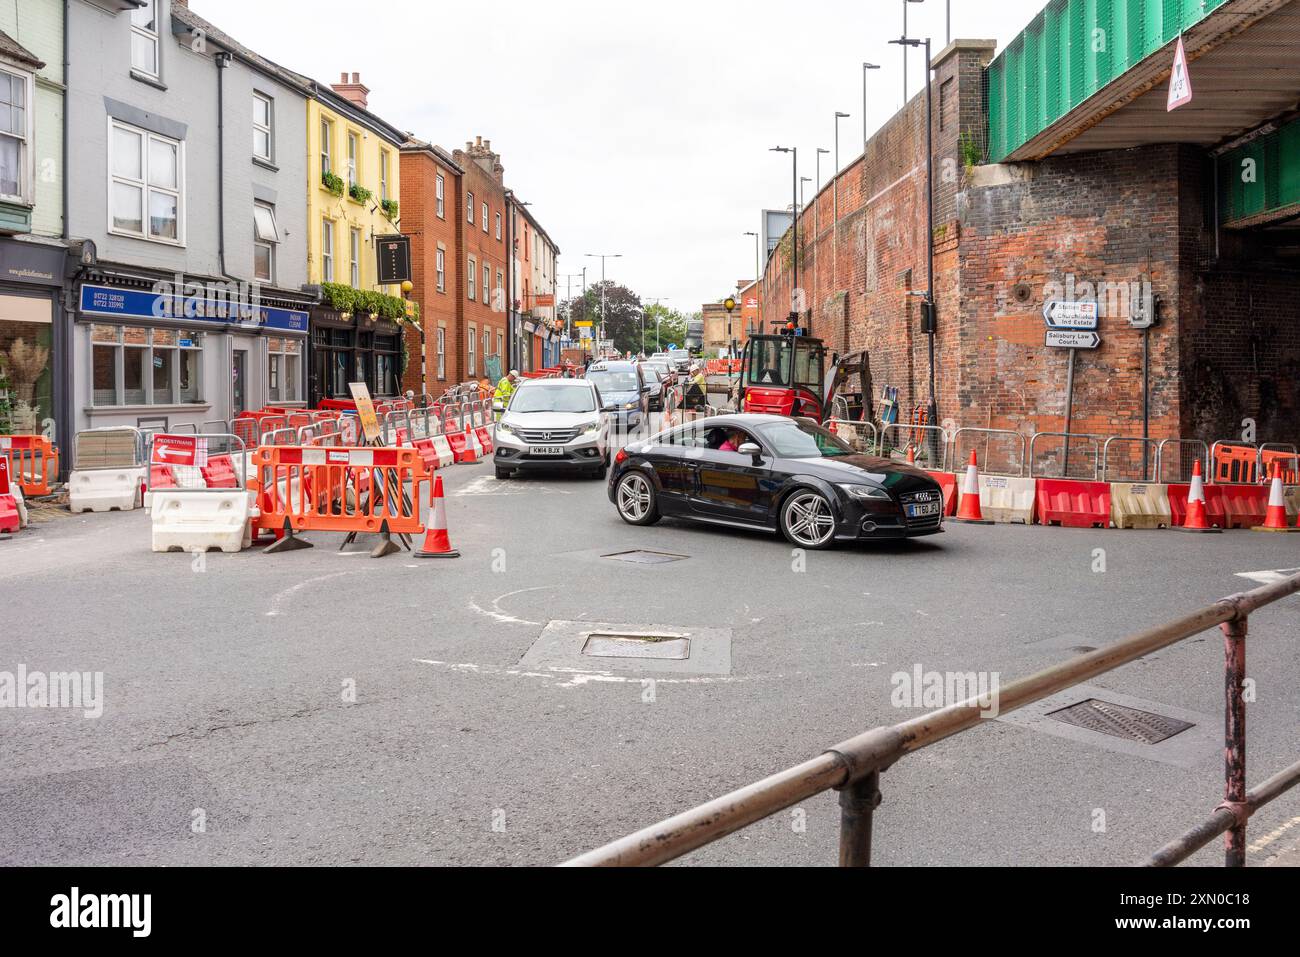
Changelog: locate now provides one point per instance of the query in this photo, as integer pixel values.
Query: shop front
(157, 354)
(32, 385)
(347, 348)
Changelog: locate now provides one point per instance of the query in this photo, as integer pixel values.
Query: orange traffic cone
(473, 452)
(1196, 517)
(968, 510)
(1276, 519)
(437, 543)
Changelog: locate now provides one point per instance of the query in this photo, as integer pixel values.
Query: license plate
(545, 450)
(923, 511)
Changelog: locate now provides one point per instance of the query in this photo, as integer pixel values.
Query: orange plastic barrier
(1235, 464)
(1214, 513)
(1244, 506)
(1073, 504)
(948, 485)
(30, 458)
(340, 490)
(1287, 461)
(220, 473)
(162, 476)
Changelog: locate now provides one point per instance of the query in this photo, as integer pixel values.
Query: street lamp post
(794, 250)
(602, 257)
(838, 116)
(927, 76)
(865, 68)
(930, 312)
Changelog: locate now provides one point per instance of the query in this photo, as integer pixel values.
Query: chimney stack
(354, 91)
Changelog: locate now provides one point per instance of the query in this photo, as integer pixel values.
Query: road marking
(290, 592)
(1268, 839)
(489, 485)
(1269, 576)
(499, 614)
(573, 678)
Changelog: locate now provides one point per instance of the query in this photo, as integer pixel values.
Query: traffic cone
(911, 455)
(437, 543)
(968, 510)
(1196, 518)
(473, 452)
(1276, 519)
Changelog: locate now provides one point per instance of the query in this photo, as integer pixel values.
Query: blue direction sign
(1071, 315)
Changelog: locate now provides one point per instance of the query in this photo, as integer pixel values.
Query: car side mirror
(752, 449)
(498, 406)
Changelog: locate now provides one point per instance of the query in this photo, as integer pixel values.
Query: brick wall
(438, 308)
(484, 178)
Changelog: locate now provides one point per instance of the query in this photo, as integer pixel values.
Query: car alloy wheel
(807, 520)
(636, 499)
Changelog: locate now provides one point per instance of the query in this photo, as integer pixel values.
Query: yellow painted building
(352, 199)
(362, 151)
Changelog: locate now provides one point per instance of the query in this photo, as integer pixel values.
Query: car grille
(547, 436)
(922, 498)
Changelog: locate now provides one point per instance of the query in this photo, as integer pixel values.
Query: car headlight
(502, 427)
(631, 405)
(591, 429)
(865, 492)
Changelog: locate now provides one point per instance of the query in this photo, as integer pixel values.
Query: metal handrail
(853, 767)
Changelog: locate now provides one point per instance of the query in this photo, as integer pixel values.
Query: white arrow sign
(1071, 315)
(1070, 339)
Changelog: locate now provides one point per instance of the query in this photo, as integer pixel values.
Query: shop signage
(111, 302)
(394, 259)
(29, 262)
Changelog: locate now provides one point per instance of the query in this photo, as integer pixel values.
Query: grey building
(187, 186)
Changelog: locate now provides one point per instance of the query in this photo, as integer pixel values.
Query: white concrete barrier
(1007, 500)
(1140, 505)
(105, 490)
(446, 456)
(190, 520)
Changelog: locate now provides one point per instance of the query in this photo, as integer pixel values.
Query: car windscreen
(802, 440)
(551, 398)
(611, 383)
(653, 373)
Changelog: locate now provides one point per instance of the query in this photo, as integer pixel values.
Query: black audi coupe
(775, 473)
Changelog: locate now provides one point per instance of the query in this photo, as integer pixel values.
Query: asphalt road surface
(320, 707)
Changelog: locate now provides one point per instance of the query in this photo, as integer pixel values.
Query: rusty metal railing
(853, 768)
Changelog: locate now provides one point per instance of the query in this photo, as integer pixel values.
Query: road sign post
(1072, 326)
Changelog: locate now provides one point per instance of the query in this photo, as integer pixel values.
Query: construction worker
(696, 394)
(505, 389)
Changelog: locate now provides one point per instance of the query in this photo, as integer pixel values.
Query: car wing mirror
(753, 450)
(498, 406)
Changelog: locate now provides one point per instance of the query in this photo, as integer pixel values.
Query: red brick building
(431, 215)
(1009, 237)
(483, 256)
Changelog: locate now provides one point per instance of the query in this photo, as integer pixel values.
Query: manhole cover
(636, 645)
(1121, 722)
(641, 557)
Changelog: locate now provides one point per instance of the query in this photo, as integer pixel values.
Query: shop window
(26, 374)
(388, 364)
(284, 370)
(136, 365)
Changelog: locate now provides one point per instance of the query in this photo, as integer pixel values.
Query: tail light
(621, 457)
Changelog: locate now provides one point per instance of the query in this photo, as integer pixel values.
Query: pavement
(322, 707)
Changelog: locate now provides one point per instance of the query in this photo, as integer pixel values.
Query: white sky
(639, 129)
